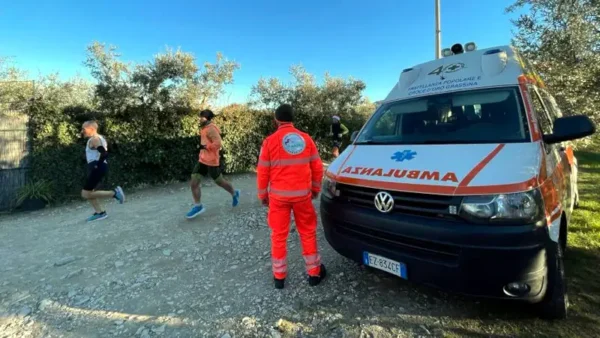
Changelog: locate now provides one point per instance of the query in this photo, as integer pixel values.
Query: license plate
(385, 264)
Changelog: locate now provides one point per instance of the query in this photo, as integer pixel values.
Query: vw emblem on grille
(384, 202)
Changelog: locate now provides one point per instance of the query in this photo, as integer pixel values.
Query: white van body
(458, 181)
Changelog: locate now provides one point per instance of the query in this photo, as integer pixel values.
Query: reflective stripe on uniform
(290, 193)
(315, 157)
(312, 261)
(262, 191)
(279, 265)
(316, 184)
(262, 163)
(285, 162)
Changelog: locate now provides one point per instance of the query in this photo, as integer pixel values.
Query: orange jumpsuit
(289, 171)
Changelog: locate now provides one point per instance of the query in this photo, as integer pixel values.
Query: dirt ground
(146, 271)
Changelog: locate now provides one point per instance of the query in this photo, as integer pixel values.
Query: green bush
(35, 190)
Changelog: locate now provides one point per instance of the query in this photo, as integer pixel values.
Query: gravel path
(146, 271)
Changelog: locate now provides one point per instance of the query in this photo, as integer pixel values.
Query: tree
(158, 96)
(15, 90)
(315, 104)
(562, 39)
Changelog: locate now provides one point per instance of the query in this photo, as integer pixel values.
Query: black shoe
(315, 280)
(279, 283)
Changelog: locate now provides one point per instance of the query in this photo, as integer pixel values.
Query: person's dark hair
(284, 113)
(207, 113)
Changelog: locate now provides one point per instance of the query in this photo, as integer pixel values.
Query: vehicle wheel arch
(563, 232)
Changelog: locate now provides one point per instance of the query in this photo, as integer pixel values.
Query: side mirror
(570, 128)
(353, 136)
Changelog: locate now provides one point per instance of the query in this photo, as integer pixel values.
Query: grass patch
(582, 261)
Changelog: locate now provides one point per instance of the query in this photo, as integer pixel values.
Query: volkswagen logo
(384, 202)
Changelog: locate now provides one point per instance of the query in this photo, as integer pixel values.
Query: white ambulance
(462, 179)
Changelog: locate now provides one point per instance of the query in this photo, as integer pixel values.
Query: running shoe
(120, 195)
(97, 216)
(236, 198)
(196, 210)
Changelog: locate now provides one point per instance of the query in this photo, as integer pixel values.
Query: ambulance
(463, 179)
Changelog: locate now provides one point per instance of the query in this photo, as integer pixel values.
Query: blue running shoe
(97, 216)
(120, 195)
(236, 198)
(196, 210)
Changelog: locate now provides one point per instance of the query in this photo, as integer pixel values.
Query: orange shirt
(289, 167)
(210, 136)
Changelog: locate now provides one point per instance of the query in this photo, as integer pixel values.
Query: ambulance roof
(485, 68)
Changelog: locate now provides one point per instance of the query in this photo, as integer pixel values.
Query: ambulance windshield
(481, 116)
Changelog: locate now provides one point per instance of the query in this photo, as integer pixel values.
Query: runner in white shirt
(96, 152)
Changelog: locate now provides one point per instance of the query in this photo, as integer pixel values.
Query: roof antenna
(438, 31)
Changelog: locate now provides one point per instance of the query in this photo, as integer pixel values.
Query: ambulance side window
(540, 112)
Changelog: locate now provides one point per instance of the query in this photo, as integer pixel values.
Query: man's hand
(314, 195)
(265, 201)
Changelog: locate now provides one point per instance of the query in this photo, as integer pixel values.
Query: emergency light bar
(458, 49)
(471, 46)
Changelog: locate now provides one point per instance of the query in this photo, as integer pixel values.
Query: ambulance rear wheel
(556, 301)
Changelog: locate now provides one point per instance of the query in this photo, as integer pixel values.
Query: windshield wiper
(419, 142)
(373, 142)
(446, 142)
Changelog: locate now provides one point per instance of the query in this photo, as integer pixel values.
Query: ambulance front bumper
(456, 256)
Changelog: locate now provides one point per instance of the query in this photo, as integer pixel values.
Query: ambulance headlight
(520, 207)
(329, 188)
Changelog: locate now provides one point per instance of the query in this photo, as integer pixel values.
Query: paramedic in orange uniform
(289, 178)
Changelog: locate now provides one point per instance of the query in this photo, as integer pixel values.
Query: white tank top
(92, 155)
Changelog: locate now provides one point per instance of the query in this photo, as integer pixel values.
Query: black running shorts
(96, 171)
(201, 169)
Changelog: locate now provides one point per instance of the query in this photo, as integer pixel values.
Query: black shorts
(337, 143)
(201, 169)
(96, 171)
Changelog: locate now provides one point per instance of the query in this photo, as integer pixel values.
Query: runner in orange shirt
(289, 177)
(208, 164)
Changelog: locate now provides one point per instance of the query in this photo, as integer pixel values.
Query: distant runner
(337, 131)
(96, 152)
(208, 164)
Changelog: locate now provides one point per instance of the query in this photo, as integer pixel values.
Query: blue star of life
(400, 156)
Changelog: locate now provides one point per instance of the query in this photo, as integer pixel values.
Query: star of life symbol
(400, 156)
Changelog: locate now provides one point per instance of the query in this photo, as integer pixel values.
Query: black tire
(556, 301)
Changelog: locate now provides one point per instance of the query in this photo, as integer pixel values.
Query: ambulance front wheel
(556, 301)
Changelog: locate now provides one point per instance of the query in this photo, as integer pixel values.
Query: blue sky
(370, 40)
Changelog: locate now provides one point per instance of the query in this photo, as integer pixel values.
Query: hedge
(137, 157)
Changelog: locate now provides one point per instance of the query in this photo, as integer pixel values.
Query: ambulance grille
(435, 252)
(404, 203)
